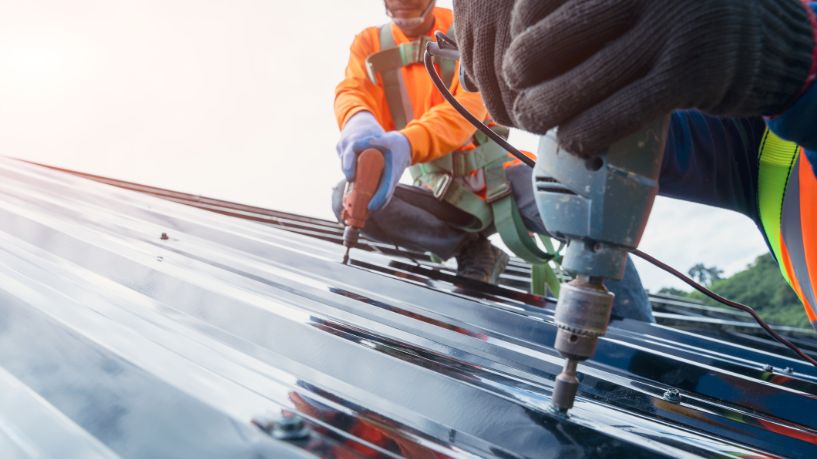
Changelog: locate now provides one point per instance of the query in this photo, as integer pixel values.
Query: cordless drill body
(600, 206)
(368, 173)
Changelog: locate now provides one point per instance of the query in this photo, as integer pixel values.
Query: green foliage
(760, 286)
(705, 275)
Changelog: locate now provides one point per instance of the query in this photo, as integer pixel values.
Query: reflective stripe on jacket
(787, 192)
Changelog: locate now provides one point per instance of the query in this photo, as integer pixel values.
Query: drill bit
(567, 384)
(350, 237)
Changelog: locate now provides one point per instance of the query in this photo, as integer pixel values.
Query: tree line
(760, 285)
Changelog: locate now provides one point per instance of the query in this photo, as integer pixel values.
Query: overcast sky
(232, 99)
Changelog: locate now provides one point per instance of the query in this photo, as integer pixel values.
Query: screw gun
(600, 205)
(369, 171)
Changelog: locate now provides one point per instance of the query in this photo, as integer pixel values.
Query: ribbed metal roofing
(134, 326)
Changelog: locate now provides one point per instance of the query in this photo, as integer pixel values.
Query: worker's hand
(601, 69)
(397, 154)
(361, 125)
(483, 34)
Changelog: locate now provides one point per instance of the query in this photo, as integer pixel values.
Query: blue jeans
(414, 219)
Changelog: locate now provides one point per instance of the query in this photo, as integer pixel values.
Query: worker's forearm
(712, 160)
(349, 101)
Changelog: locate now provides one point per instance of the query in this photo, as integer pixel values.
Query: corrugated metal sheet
(135, 326)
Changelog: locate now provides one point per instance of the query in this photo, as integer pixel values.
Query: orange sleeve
(356, 92)
(442, 129)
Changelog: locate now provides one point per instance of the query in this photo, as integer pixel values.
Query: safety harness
(443, 176)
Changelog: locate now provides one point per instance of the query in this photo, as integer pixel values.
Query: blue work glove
(397, 154)
(361, 125)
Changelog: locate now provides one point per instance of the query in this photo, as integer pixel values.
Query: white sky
(232, 99)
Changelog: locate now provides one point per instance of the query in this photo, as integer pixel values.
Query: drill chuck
(582, 315)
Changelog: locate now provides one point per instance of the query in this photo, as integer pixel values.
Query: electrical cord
(438, 82)
(448, 50)
(734, 304)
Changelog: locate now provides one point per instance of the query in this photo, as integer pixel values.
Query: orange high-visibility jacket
(437, 129)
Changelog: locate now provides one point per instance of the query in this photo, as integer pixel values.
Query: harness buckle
(419, 50)
(441, 186)
(503, 191)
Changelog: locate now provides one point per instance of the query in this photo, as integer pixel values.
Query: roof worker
(467, 186)
(738, 77)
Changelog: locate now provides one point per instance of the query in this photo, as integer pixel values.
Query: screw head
(672, 396)
(289, 427)
(788, 370)
(768, 368)
(164, 237)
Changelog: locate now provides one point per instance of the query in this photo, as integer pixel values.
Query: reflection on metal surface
(135, 326)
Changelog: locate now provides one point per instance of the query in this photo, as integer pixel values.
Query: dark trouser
(414, 219)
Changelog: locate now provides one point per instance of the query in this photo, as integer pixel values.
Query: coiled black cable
(438, 82)
(449, 50)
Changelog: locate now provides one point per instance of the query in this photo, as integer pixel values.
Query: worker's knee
(520, 178)
(631, 300)
(337, 198)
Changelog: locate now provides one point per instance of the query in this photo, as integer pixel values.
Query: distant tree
(706, 275)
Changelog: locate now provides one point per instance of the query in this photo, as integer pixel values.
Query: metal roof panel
(136, 326)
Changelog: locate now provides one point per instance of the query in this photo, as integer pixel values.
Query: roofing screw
(164, 237)
(788, 370)
(768, 368)
(288, 427)
(672, 396)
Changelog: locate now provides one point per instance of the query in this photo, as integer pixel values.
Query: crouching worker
(465, 186)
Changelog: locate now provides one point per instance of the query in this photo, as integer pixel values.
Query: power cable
(449, 50)
(438, 82)
(733, 304)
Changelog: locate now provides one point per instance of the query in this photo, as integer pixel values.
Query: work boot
(480, 260)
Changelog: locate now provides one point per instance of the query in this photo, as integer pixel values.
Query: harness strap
(511, 229)
(396, 56)
(390, 60)
(499, 208)
(461, 163)
(393, 85)
(450, 191)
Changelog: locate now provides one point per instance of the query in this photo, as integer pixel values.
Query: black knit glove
(482, 28)
(600, 69)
